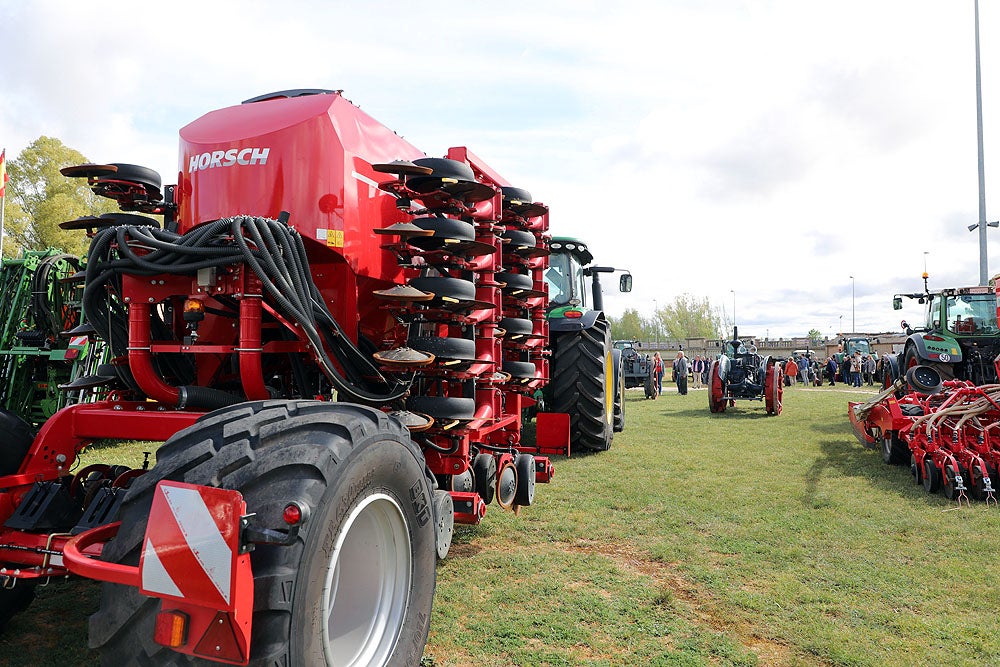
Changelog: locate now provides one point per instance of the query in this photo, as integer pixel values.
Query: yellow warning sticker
(335, 238)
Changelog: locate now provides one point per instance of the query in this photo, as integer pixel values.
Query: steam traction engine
(336, 336)
(741, 374)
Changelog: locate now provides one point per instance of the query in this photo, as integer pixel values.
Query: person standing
(681, 368)
(697, 368)
(804, 370)
(856, 369)
(791, 371)
(831, 370)
(658, 372)
(868, 369)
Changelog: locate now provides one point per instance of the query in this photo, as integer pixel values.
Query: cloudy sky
(760, 152)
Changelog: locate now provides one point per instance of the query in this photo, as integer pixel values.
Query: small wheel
(977, 482)
(525, 480)
(893, 449)
(507, 485)
(931, 476)
(916, 471)
(444, 522)
(484, 472)
(950, 481)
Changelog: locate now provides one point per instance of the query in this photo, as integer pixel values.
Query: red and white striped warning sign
(191, 544)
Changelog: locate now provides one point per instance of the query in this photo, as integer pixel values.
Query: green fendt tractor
(960, 337)
(587, 382)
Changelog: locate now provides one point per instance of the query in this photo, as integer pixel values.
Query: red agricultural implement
(948, 431)
(336, 337)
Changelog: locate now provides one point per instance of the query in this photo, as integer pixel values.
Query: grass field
(698, 539)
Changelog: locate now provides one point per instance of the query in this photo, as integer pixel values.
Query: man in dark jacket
(681, 369)
(831, 370)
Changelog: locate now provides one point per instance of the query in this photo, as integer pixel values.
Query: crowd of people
(853, 370)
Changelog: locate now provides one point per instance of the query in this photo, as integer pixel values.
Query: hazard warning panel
(191, 548)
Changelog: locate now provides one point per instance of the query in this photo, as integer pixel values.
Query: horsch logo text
(233, 156)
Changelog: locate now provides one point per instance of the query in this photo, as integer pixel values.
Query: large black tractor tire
(618, 423)
(912, 358)
(582, 386)
(894, 450)
(17, 438)
(364, 559)
(650, 384)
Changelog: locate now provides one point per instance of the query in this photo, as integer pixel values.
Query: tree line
(685, 317)
(38, 198)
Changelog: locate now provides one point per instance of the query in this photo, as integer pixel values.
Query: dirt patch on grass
(694, 601)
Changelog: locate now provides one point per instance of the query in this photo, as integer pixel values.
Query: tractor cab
(964, 314)
(565, 275)
(960, 337)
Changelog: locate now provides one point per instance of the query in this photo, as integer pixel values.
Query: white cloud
(774, 147)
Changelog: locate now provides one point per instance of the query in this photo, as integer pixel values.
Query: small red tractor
(336, 336)
(946, 428)
(740, 373)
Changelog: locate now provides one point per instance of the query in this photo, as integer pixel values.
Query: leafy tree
(814, 336)
(39, 198)
(628, 327)
(690, 317)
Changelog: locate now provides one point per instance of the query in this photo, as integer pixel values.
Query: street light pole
(983, 279)
(853, 327)
(656, 323)
(734, 307)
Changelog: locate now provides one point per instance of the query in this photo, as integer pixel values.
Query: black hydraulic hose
(206, 397)
(277, 257)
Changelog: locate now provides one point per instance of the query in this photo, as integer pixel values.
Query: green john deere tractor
(586, 379)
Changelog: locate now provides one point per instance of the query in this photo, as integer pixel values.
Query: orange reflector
(193, 306)
(573, 314)
(171, 629)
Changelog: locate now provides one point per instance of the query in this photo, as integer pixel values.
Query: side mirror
(897, 303)
(625, 282)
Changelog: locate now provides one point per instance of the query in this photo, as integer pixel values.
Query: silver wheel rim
(367, 586)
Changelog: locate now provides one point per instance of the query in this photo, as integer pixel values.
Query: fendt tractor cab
(585, 377)
(960, 337)
(852, 344)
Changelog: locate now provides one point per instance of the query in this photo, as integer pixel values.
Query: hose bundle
(276, 255)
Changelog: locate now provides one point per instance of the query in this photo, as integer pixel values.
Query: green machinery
(41, 293)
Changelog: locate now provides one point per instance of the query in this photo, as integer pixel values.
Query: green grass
(724, 539)
(698, 539)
